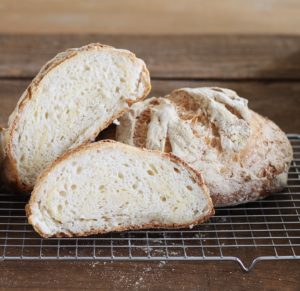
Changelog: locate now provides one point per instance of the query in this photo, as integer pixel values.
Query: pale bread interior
(72, 103)
(111, 186)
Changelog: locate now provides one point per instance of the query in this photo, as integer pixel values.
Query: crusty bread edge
(196, 175)
(9, 164)
(273, 183)
(220, 201)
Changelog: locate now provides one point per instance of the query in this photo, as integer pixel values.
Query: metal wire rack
(264, 230)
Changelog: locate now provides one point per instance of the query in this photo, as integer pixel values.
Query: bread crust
(251, 171)
(10, 165)
(195, 174)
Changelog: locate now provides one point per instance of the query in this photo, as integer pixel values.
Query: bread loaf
(108, 186)
(75, 96)
(242, 155)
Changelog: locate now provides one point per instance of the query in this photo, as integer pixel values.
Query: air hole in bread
(63, 193)
(150, 172)
(105, 218)
(122, 80)
(73, 187)
(87, 68)
(101, 188)
(46, 115)
(78, 170)
(163, 198)
(153, 168)
(189, 187)
(193, 179)
(120, 175)
(117, 89)
(176, 170)
(195, 212)
(134, 186)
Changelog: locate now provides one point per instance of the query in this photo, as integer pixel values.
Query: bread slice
(75, 96)
(242, 155)
(109, 186)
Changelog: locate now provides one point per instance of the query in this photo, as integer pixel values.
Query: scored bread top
(109, 186)
(242, 155)
(75, 96)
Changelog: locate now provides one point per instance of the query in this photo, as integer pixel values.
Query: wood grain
(150, 17)
(279, 101)
(196, 57)
(78, 275)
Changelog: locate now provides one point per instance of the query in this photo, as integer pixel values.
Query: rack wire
(264, 230)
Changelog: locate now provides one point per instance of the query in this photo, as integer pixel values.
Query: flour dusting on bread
(242, 155)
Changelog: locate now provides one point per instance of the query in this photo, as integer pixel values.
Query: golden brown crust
(195, 174)
(11, 172)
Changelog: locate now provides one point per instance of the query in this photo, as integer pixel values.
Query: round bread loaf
(242, 155)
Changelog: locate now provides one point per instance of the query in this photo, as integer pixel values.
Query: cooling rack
(264, 230)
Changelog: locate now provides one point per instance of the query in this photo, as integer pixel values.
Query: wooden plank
(78, 275)
(196, 57)
(279, 101)
(150, 17)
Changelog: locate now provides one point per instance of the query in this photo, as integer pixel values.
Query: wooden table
(150, 17)
(264, 69)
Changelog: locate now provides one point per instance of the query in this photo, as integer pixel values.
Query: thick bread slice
(242, 155)
(75, 96)
(109, 186)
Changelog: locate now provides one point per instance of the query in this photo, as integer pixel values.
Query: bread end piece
(18, 175)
